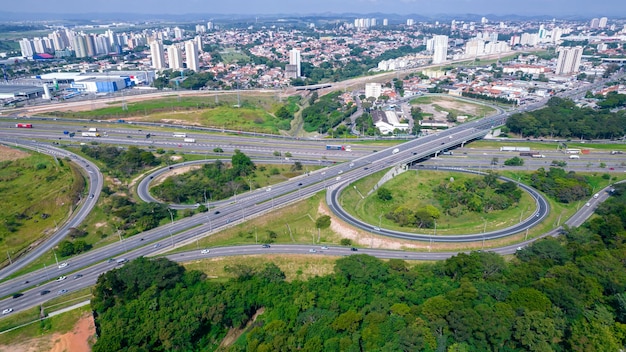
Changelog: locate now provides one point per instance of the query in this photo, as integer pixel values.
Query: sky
(556, 8)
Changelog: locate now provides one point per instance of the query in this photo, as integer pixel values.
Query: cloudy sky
(556, 8)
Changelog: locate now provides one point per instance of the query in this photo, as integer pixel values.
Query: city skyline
(583, 8)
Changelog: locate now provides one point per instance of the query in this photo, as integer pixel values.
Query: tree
(536, 332)
(242, 164)
(384, 194)
(514, 161)
(323, 222)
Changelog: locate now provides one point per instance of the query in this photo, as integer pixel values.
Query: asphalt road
(255, 203)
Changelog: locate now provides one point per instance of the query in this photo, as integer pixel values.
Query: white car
(7, 311)
(324, 247)
(205, 251)
(62, 265)
(312, 250)
(61, 278)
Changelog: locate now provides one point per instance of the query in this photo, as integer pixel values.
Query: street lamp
(172, 218)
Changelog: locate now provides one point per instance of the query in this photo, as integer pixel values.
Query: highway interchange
(247, 205)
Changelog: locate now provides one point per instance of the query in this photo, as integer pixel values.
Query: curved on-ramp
(541, 212)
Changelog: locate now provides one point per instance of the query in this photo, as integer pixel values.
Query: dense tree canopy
(558, 294)
(562, 118)
(122, 161)
(563, 186)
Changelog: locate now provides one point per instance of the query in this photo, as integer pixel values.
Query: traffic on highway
(82, 270)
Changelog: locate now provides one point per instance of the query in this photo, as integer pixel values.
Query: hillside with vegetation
(558, 294)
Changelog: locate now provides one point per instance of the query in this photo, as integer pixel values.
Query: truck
(514, 149)
(179, 135)
(189, 140)
(24, 125)
(335, 147)
(92, 129)
(613, 152)
(537, 156)
(572, 151)
(526, 154)
(90, 134)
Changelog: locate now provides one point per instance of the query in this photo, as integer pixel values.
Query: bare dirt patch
(7, 153)
(77, 340)
(363, 238)
(177, 171)
(470, 109)
(32, 345)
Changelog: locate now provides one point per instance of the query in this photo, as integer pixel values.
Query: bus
(335, 147)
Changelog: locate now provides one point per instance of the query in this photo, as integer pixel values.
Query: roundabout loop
(541, 212)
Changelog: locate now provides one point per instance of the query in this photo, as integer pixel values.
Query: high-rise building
(198, 40)
(192, 55)
(175, 57)
(385, 22)
(80, 46)
(294, 59)
(373, 90)
(157, 54)
(91, 45)
(410, 22)
(569, 60)
(178, 33)
(474, 47)
(594, 23)
(602, 22)
(27, 47)
(40, 46)
(440, 48)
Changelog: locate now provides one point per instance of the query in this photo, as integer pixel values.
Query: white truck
(189, 140)
(90, 134)
(179, 135)
(92, 129)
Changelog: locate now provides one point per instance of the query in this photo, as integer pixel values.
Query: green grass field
(37, 193)
(252, 116)
(292, 224)
(413, 189)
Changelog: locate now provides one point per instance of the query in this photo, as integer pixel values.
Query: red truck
(24, 125)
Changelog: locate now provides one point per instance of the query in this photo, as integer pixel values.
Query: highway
(252, 204)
